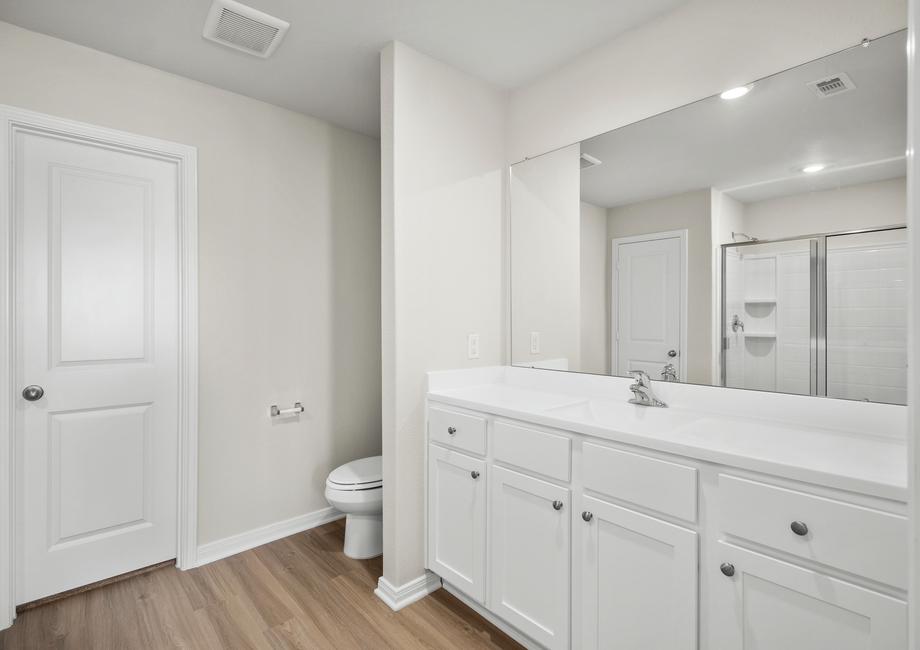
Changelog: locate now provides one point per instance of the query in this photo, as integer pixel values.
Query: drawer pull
(451, 430)
(799, 528)
(587, 516)
(727, 569)
(474, 474)
(557, 505)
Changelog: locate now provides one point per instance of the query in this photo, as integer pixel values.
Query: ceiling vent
(833, 85)
(588, 161)
(244, 28)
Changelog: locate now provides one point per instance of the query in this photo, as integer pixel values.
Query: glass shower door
(867, 316)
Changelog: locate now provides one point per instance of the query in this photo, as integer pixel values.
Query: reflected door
(647, 304)
(97, 306)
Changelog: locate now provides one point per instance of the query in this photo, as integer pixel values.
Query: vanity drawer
(536, 451)
(660, 485)
(867, 542)
(457, 430)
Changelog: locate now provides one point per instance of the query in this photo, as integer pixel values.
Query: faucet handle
(641, 377)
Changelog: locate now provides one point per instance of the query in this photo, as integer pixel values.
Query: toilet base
(363, 536)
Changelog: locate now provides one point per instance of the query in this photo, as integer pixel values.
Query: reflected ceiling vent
(833, 85)
(244, 28)
(588, 161)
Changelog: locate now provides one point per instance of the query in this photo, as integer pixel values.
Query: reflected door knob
(32, 393)
(672, 353)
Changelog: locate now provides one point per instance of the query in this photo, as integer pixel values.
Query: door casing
(13, 121)
(682, 235)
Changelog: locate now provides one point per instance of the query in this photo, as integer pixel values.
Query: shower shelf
(759, 301)
(760, 335)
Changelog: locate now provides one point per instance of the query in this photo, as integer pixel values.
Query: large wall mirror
(753, 239)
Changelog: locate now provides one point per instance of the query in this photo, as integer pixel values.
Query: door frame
(12, 122)
(683, 236)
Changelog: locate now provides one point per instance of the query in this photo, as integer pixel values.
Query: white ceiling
(327, 66)
(754, 147)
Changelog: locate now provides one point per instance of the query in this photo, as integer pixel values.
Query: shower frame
(818, 317)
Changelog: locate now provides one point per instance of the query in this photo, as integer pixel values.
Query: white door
(647, 303)
(457, 519)
(767, 603)
(97, 330)
(530, 561)
(638, 580)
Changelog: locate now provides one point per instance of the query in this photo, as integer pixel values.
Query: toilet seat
(358, 475)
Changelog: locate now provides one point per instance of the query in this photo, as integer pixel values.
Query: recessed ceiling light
(735, 93)
(814, 168)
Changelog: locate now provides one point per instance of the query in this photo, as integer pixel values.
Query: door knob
(474, 474)
(451, 430)
(727, 569)
(587, 516)
(32, 393)
(672, 353)
(557, 505)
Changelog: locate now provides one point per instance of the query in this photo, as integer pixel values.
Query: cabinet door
(457, 519)
(767, 603)
(638, 580)
(530, 563)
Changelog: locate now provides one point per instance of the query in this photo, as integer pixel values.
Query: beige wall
(289, 270)
(690, 211)
(882, 203)
(595, 309)
(442, 142)
(545, 240)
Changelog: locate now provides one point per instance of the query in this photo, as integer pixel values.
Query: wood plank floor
(297, 592)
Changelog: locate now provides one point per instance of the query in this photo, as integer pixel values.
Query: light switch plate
(472, 346)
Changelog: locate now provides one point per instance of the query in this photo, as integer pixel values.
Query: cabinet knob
(587, 516)
(474, 474)
(451, 430)
(727, 569)
(557, 505)
(799, 528)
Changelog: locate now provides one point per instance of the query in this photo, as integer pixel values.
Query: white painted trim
(683, 235)
(13, 120)
(398, 597)
(501, 624)
(913, 379)
(221, 548)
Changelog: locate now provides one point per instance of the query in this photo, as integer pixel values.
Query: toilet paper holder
(275, 412)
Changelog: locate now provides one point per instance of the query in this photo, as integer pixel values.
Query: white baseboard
(510, 630)
(234, 544)
(398, 597)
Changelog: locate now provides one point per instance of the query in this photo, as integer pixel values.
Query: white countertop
(866, 464)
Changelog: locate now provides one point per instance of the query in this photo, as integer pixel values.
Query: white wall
(442, 161)
(698, 50)
(690, 211)
(881, 203)
(545, 244)
(595, 306)
(289, 266)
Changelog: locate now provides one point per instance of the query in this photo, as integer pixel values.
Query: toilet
(356, 488)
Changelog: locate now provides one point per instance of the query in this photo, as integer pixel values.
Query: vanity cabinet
(638, 577)
(763, 602)
(457, 519)
(571, 540)
(530, 559)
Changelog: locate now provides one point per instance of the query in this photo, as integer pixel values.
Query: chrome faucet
(669, 372)
(642, 390)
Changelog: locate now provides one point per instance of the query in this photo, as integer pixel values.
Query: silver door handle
(32, 393)
(672, 353)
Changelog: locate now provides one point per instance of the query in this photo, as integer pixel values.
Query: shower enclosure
(818, 315)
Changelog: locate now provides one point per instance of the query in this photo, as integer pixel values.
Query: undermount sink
(623, 416)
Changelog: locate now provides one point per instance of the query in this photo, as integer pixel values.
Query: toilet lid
(364, 472)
